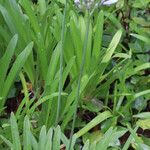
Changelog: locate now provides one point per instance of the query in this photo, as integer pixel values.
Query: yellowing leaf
(144, 124)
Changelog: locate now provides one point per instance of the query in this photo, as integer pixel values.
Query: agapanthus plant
(90, 6)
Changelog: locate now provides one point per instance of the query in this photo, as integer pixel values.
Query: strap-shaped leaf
(15, 133)
(112, 47)
(5, 61)
(18, 64)
(26, 134)
(98, 119)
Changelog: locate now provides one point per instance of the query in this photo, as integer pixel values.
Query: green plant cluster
(88, 73)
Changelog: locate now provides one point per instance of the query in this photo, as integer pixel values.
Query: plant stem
(61, 63)
(79, 80)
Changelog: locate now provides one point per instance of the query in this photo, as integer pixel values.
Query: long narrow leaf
(18, 64)
(26, 135)
(98, 119)
(15, 133)
(5, 61)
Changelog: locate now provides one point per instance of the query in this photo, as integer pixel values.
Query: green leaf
(48, 145)
(5, 61)
(144, 115)
(15, 133)
(76, 37)
(18, 64)
(98, 35)
(26, 134)
(68, 68)
(105, 141)
(26, 4)
(7, 18)
(144, 124)
(34, 142)
(141, 93)
(56, 139)
(93, 137)
(98, 119)
(42, 5)
(6, 141)
(86, 145)
(42, 138)
(112, 47)
(129, 141)
(53, 65)
(42, 100)
(142, 38)
(138, 140)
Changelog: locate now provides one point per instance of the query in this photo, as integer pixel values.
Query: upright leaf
(18, 64)
(26, 135)
(15, 133)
